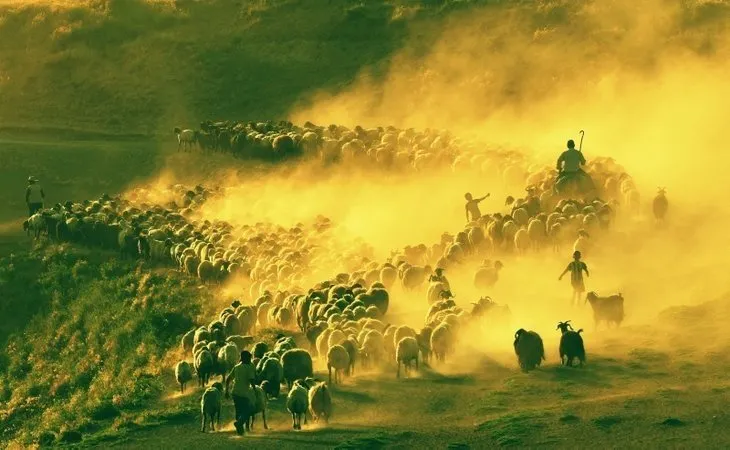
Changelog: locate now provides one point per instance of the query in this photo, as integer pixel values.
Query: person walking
(576, 269)
(34, 196)
(243, 376)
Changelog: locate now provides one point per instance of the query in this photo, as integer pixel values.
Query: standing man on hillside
(34, 196)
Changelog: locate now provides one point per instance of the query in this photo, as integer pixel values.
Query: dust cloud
(646, 81)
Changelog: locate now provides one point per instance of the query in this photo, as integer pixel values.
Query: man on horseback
(570, 160)
(569, 168)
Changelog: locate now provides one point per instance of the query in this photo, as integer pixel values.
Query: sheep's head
(519, 333)
(591, 297)
(564, 327)
(218, 385)
(661, 191)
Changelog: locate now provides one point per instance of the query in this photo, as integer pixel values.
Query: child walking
(576, 269)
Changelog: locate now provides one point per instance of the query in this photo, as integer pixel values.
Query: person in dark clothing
(34, 196)
(569, 168)
(243, 376)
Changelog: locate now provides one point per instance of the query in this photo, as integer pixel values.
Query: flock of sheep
(342, 321)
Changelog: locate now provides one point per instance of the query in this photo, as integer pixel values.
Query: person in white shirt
(34, 196)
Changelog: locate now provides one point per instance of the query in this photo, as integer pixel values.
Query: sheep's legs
(263, 415)
(329, 368)
(294, 421)
(202, 424)
(397, 375)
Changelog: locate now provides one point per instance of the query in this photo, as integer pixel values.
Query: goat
(571, 344)
(607, 309)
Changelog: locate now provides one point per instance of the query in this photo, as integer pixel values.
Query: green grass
(143, 66)
(85, 344)
(86, 341)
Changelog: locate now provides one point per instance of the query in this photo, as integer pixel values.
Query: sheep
(350, 344)
(183, 374)
(36, 224)
(442, 341)
(487, 275)
(206, 272)
(424, 342)
(270, 370)
(185, 138)
(204, 365)
(188, 340)
(228, 356)
(373, 346)
(406, 352)
(210, 406)
(297, 403)
(571, 344)
(608, 309)
(320, 402)
(338, 359)
(259, 406)
(241, 342)
(529, 349)
(296, 363)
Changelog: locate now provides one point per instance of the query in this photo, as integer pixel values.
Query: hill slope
(130, 66)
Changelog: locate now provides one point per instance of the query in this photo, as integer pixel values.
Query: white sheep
(210, 406)
(406, 353)
(185, 138)
(183, 374)
(259, 406)
(442, 341)
(297, 403)
(320, 402)
(338, 359)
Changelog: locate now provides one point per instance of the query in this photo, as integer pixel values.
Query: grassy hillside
(83, 339)
(138, 66)
(131, 66)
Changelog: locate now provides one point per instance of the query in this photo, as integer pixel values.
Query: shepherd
(34, 196)
(570, 164)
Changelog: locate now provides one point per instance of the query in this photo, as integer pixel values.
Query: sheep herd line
(342, 323)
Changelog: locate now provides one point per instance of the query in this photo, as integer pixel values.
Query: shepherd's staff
(580, 146)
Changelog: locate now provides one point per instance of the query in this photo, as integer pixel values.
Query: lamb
(320, 402)
(183, 374)
(297, 403)
(210, 406)
(338, 359)
(406, 352)
(529, 349)
(185, 138)
(259, 406)
(608, 309)
(296, 364)
(571, 344)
